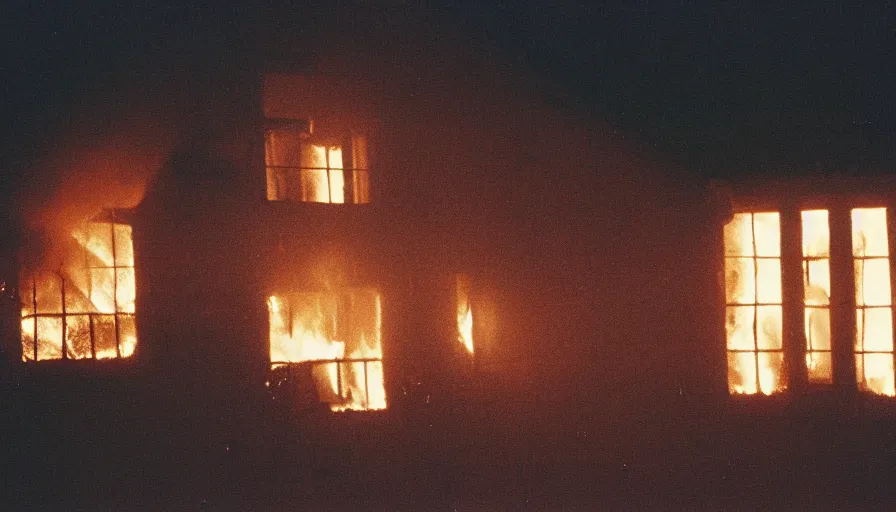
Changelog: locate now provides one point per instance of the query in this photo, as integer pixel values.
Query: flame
(465, 326)
(303, 328)
(87, 304)
(753, 298)
(464, 313)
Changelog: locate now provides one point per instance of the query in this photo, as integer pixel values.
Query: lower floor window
(85, 307)
(755, 309)
(332, 341)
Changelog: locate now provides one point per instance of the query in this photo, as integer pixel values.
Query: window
(874, 309)
(464, 313)
(85, 308)
(756, 311)
(816, 242)
(753, 303)
(303, 168)
(331, 342)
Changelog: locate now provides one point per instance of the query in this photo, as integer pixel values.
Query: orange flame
(303, 328)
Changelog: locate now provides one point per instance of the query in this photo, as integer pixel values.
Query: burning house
(408, 263)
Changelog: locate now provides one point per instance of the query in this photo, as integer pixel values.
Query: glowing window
(753, 309)
(464, 313)
(328, 344)
(874, 314)
(300, 168)
(83, 309)
(817, 294)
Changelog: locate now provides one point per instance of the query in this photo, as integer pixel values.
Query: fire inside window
(464, 313)
(85, 308)
(754, 309)
(300, 168)
(336, 338)
(753, 303)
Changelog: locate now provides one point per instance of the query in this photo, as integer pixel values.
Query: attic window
(84, 308)
(755, 309)
(326, 347)
(303, 168)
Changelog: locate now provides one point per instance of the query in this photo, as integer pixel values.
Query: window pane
(376, 388)
(49, 338)
(816, 237)
(124, 246)
(768, 327)
(77, 336)
(125, 290)
(282, 147)
(104, 336)
(739, 327)
(77, 286)
(874, 373)
(49, 292)
(819, 367)
(767, 227)
(817, 279)
(874, 330)
(739, 235)
(869, 232)
(818, 328)
(127, 335)
(740, 281)
(872, 282)
(315, 186)
(102, 287)
(769, 281)
(99, 244)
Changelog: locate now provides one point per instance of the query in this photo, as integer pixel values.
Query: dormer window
(303, 167)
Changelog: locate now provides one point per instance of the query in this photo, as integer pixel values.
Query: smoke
(103, 155)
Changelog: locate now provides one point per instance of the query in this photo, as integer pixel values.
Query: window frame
(356, 180)
(839, 198)
(284, 373)
(110, 217)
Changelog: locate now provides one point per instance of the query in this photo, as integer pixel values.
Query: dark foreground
(115, 448)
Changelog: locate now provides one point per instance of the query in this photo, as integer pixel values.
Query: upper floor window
(843, 300)
(85, 308)
(302, 168)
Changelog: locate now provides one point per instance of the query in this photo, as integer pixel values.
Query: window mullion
(793, 332)
(843, 300)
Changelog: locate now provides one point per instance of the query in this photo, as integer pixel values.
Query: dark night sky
(719, 90)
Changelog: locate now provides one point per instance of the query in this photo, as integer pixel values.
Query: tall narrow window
(874, 322)
(817, 294)
(464, 313)
(753, 303)
(336, 337)
(85, 308)
(300, 168)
